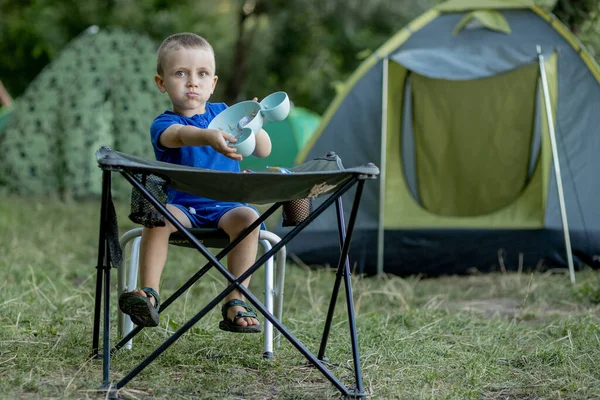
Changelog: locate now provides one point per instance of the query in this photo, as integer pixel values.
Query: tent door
(468, 147)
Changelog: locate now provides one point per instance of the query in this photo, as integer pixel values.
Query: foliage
(307, 46)
(589, 33)
(575, 13)
(304, 46)
(582, 17)
(33, 32)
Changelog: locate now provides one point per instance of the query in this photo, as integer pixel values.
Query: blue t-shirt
(191, 156)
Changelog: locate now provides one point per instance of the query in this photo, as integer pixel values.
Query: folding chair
(211, 238)
(323, 177)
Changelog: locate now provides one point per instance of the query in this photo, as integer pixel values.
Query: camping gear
(246, 142)
(287, 139)
(245, 119)
(321, 177)
(84, 98)
(275, 107)
(556, 163)
(245, 114)
(460, 112)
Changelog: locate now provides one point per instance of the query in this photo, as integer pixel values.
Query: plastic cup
(246, 142)
(232, 120)
(276, 106)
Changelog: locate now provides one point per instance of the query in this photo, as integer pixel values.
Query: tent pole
(561, 197)
(382, 167)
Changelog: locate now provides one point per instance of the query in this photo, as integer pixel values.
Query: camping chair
(212, 238)
(323, 177)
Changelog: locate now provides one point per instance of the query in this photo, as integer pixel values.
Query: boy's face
(189, 79)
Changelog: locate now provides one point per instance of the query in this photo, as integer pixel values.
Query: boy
(186, 72)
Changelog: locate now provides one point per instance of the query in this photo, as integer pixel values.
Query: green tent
(453, 109)
(287, 138)
(98, 91)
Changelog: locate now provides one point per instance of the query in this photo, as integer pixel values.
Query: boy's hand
(218, 141)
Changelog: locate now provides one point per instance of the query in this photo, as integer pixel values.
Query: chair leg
(267, 325)
(131, 284)
(128, 279)
(279, 285)
(279, 276)
(121, 288)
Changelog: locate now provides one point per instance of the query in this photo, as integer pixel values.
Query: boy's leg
(154, 248)
(153, 255)
(242, 256)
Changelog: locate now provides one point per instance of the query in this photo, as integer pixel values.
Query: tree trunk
(236, 82)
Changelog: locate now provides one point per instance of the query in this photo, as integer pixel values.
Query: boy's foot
(239, 317)
(140, 307)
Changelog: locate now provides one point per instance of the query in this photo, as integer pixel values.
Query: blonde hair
(186, 40)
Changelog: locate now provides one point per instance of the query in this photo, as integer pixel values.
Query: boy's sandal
(231, 325)
(140, 308)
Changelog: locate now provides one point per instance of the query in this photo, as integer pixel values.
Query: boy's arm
(176, 136)
(263, 144)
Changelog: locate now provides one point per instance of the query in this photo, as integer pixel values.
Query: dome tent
(98, 91)
(452, 110)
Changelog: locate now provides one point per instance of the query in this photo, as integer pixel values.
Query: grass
(490, 336)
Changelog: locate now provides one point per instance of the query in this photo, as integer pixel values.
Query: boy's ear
(215, 79)
(160, 83)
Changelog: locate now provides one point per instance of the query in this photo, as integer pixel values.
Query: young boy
(186, 72)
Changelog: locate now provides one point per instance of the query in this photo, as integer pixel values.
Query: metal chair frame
(103, 285)
(213, 238)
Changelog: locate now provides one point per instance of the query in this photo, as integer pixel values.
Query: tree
(575, 13)
(306, 47)
(32, 32)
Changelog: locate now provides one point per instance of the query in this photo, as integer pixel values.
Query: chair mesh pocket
(295, 212)
(142, 211)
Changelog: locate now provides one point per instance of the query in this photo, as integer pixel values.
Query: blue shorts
(209, 215)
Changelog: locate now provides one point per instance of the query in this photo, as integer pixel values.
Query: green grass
(489, 336)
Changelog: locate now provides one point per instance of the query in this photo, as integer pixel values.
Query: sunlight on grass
(488, 336)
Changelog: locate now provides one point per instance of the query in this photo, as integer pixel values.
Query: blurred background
(85, 68)
(304, 46)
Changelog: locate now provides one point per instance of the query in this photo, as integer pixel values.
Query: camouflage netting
(99, 91)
